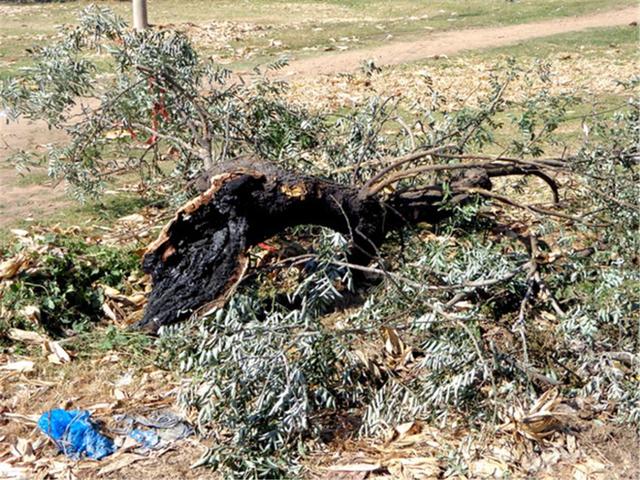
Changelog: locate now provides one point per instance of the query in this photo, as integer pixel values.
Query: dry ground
(106, 385)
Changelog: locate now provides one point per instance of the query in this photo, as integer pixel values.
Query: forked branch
(201, 255)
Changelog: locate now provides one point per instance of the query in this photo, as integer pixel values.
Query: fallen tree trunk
(200, 255)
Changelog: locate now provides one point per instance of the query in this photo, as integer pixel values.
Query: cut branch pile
(201, 255)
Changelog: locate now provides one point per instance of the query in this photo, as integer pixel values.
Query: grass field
(237, 31)
(613, 44)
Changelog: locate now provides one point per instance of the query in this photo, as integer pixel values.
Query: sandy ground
(19, 202)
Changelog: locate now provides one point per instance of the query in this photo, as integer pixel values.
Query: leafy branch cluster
(60, 282)
(504, 301)
(146, 103)
(266, 377)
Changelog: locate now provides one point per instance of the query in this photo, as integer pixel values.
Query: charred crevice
(201, 254)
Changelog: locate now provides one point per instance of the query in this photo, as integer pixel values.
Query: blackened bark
(201, 254)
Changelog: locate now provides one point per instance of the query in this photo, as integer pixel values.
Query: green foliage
(145, 105)
(262, 375)
(63, 283)
(101, 340)
(481, 330)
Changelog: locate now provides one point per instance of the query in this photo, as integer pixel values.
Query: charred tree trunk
(201, 254)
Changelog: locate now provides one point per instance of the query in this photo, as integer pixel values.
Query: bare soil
(19, 202)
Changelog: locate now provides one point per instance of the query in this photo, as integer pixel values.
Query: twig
(495, 167)
(403, 161)
(487, 371)
(372, 188)
(540, 163)
(408, 130)
(519, 326)
(567, 369)
(544, 288)
(421, 286)
(617, 201)
(373, 135)
(171, 138)
(533, 208)
(485, 114)
(536, 173)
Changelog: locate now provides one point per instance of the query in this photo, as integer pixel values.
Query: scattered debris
(78, 436)
(19, 366)
(10, 472)
(10, 268)
(222, 37)
(154, 431)
(119, 462)
(328, 93)
(26, 336)
(355, 467)
(547, 416)
(58, 354)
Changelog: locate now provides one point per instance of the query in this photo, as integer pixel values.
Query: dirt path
(19, 202)
(22, 201)
(456, 41)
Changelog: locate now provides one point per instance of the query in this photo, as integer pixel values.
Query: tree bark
(200, 256)
(140, 20)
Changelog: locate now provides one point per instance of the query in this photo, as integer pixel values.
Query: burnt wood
(200, 256)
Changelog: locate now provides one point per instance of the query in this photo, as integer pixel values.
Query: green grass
(103, 212)
(619, 42)
(32, 178)
(136, 346)
(298, 24)
(110, 208)
(101, 340)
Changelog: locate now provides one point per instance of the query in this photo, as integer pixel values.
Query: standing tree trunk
(140, 21)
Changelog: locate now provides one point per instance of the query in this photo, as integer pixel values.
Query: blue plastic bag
(75, 434)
